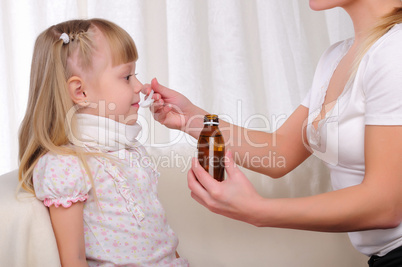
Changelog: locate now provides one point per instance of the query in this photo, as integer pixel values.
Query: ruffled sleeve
(60, 180)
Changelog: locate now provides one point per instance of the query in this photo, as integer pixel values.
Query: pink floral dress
(125, 224)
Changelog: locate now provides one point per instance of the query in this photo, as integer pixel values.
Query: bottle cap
(211, 119)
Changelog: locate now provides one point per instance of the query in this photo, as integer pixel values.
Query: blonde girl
(351, 119)
(78, 151)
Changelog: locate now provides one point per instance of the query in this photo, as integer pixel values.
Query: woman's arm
(68, 227)
(273, 154)
(374, 204)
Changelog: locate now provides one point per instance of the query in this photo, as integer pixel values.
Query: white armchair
(26, 234)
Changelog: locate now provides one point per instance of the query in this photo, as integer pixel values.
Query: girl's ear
(76, 90)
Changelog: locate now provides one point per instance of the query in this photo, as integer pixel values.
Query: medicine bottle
(211, 148)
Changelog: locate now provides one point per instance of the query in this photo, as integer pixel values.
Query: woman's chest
(334, 84)
(338, 137)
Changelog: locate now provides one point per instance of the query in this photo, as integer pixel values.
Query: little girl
(78, 151)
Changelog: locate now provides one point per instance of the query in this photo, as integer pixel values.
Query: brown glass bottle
(211, 148)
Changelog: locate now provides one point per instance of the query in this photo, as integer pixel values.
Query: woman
(351, 119)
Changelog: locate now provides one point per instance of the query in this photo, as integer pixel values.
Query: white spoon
(147, 102)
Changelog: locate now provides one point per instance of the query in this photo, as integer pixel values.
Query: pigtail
(49, 116)
(42, 129)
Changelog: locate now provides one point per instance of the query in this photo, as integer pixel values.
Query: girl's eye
(128, 76)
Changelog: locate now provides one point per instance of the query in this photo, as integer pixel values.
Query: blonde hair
(43, 128)
(381, 28)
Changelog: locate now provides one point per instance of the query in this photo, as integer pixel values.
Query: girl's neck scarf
(103, 134)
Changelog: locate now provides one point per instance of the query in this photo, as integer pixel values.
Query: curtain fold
(250, 61)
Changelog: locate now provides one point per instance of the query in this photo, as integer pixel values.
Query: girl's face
(118, 93)
(319, 5)
(113, 91)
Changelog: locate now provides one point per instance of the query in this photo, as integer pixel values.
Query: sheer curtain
(250, 61)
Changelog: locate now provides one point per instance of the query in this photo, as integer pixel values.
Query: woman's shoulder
(380, 73)
(392, 36)
(384, 58)
(389, 45)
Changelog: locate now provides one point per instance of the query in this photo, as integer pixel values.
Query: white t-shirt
(374, 97)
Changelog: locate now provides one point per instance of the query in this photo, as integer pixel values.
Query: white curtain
(250, 61)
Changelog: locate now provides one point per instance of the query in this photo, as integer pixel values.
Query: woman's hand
(173, 109)
(235, 197)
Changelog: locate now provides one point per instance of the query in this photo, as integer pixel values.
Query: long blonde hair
(381, 28)
(43, 128)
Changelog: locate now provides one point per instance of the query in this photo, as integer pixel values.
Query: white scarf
(104, 134)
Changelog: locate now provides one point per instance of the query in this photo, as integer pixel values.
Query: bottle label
(211, 123)
(211, 157)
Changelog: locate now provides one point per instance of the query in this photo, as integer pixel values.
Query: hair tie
(65, 38)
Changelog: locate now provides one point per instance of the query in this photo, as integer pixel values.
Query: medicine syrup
(211, 148)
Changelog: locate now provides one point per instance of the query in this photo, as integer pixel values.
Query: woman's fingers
(162, 90)
(230, 165)
(198, 192)
(146, 89)
(204, 178)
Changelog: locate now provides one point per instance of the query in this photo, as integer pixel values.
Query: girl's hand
(173, 109)
(235, 197)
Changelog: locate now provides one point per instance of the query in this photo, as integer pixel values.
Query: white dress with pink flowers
(125, 224)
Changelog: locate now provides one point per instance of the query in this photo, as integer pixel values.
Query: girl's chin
(129, 120)
(132, 122)
(320, 5)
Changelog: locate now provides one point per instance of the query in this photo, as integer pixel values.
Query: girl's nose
(137, 86)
